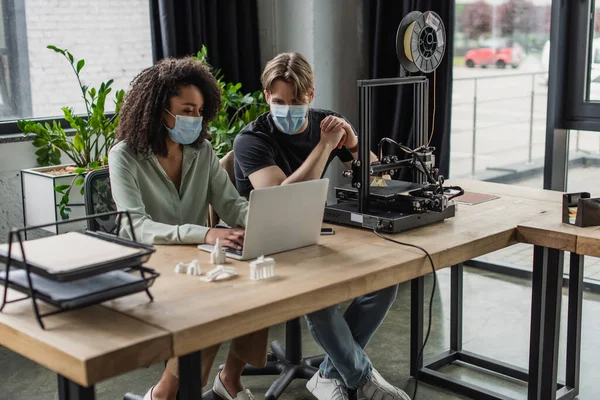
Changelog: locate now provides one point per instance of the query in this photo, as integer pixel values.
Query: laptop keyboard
(233, 251)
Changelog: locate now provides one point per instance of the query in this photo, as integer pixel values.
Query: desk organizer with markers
(74, 270)
(580, 209)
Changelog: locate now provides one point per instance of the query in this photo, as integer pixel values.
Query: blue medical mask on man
(186, 129)
(289, 119)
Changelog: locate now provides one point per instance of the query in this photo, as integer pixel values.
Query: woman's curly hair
(141, 115)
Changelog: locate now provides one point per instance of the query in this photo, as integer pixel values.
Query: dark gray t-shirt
(260, 144)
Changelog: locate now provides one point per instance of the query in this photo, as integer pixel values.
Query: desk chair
(286, 362)
(98, 199)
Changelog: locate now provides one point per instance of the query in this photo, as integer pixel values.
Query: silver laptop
(282, 218)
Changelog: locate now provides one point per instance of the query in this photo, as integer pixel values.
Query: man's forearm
(312, 167)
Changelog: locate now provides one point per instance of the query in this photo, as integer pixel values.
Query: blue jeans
(344, 337)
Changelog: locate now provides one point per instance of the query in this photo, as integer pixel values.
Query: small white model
(194, 268)
(217, 255)
(219, 273)
(262, 268)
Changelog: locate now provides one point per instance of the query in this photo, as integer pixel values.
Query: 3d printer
(389, 205)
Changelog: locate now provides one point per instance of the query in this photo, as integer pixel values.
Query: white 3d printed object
(192, 268)
(262, 268)
(217, 255)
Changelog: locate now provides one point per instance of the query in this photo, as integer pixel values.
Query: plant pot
(41, 201)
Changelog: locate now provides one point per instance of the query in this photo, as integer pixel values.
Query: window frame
(578, 112)
(15, 31)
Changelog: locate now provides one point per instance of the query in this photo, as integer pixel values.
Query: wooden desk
(351, 263)
(189, 315)
(343, 266)
(84, 346)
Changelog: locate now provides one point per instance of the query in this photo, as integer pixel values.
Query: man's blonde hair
(291, 68)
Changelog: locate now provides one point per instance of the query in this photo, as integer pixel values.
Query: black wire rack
(82, 287)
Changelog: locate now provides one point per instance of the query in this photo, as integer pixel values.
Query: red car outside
(500, 57)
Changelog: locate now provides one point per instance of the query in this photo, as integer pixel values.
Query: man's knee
(387, 296)
(324, 316)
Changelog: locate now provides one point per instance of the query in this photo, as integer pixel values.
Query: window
(13, 92)
(112, 36)
(500, 97)
(579, 66)
(594, 81)
(501, 62)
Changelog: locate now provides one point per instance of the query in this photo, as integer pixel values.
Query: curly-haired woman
(165, 171)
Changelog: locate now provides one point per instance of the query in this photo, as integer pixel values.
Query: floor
(496, 324)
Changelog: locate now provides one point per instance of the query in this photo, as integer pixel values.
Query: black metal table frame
(547, 282)
(190, 385)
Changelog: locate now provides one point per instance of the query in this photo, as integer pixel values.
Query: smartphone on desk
(327, 231)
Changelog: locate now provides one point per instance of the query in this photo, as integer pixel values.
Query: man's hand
(233, 238)
(331, 123)
(332, 137)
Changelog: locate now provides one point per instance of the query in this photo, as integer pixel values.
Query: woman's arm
(224, 197)
(127, 196)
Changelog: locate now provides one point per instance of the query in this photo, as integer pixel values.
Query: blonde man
(294, 143)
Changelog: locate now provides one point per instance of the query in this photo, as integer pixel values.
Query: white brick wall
(113, 36)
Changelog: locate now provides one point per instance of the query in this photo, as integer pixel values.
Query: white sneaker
(378, 388)
(148, 395)
(220, 391)
(327, 389)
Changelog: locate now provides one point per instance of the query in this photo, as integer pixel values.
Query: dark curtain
(228, 28)
(392, 111)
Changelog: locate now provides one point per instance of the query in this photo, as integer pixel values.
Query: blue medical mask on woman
(289, 119)
(186, 129)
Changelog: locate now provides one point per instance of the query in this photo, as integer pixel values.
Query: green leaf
(53, 160)
(65, 212)
(43, 152)
(39, 142)
(80, 65)
(80, 171)
(78, 182)
(70, 56)
(61, 188)
(78, 142)
(56, 49)
(65, 198)
(105, 160)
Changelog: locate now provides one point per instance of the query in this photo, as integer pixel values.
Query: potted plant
(47, 190)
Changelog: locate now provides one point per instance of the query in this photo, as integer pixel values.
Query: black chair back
(98, 199)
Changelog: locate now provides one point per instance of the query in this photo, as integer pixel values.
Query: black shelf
(87, 271)
(80, 287)
(83, 292)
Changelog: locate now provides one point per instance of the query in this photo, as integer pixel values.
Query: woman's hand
(228, 237)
